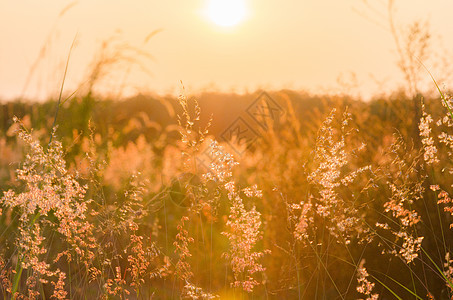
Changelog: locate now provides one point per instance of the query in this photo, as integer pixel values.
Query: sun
(226, 13)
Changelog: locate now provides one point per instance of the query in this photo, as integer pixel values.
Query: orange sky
(280, 44)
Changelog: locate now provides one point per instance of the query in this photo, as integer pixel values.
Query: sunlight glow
(226, 13)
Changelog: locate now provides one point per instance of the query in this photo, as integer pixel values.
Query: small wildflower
(365, 287)
(430, 154)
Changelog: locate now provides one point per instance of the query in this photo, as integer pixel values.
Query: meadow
(257, 196)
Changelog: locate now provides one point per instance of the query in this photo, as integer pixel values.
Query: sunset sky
(308, 45)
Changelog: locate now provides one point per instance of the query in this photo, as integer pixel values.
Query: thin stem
(62, 86)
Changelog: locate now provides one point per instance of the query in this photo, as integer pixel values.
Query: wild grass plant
(320, 208)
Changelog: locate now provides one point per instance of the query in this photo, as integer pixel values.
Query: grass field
(260, 196)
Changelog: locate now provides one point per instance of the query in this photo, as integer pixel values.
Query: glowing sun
(226, 13)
